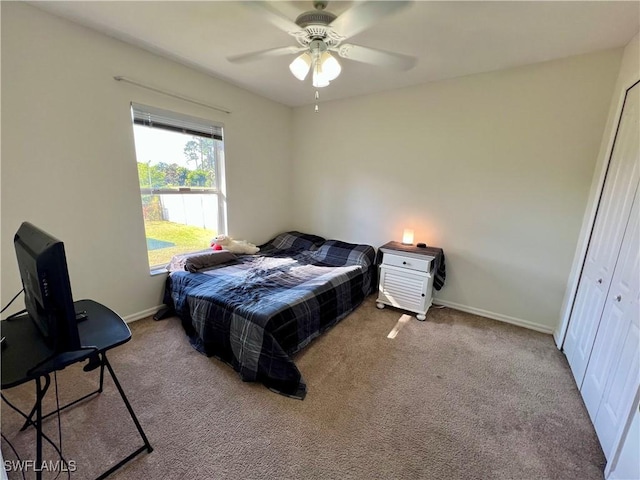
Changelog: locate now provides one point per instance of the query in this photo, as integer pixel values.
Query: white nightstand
(406, 279)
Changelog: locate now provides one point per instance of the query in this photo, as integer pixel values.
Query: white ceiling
(449, 38)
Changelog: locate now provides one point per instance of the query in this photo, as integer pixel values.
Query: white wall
(629, 74)
(494, 168)
(68, 158)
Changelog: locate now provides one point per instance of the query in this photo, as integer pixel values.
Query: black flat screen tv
(47, 289)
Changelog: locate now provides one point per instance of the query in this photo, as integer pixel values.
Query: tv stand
(28, 358)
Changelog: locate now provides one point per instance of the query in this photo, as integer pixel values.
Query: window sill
(158, 271)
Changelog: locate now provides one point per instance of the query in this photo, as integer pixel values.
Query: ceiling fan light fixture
(320, 79)
(300, 66)
(330, 66)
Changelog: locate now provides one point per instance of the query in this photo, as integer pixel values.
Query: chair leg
(127, 404)
(102, 372)
(43, 392)
(40, 393)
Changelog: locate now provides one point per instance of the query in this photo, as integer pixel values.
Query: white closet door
(627, 465)
(613, 212)
(616, 405)
(612, 377)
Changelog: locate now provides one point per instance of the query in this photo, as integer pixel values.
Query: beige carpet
(456, 397)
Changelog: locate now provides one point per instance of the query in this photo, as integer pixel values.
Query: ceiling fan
(320, 33)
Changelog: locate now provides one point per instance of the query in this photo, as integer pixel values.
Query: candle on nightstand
(407, 236)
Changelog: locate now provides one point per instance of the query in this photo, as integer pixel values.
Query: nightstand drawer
(412, 263)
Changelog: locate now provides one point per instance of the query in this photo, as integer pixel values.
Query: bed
(255, 312)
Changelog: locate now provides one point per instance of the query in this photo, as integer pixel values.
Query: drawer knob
(599, 280)
(423, 295)
(618, 298)
(404, 263)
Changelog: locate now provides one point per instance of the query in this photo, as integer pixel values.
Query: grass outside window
(178, 237)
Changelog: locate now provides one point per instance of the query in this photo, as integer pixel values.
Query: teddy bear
(234, 246)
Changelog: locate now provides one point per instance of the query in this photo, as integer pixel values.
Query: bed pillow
(197, 261)
(293, 241)
(342, 254)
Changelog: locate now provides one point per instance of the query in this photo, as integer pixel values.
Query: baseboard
(436, 301)
(494, 316)
(143, 314)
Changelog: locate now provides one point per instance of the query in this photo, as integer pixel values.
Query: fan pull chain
(317, 96)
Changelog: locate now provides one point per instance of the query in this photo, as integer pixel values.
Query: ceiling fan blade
(274, 16)
(262, 54)
(376, 57)
(363, 15)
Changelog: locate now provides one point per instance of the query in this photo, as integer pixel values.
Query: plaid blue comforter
(260, 310)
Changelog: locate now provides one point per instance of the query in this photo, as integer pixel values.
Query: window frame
(152, 117)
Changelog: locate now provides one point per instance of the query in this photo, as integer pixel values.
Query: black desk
(25, 349)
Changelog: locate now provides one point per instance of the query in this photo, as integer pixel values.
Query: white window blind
(175, 122)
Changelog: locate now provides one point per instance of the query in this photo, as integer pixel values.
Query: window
(181, 176)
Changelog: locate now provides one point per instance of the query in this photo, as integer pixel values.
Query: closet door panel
(611, 219)
(605, 352)
(617, 401)
(616, 351)
(620, 313)
(585, 319)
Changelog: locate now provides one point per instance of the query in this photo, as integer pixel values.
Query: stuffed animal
(234, 246)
